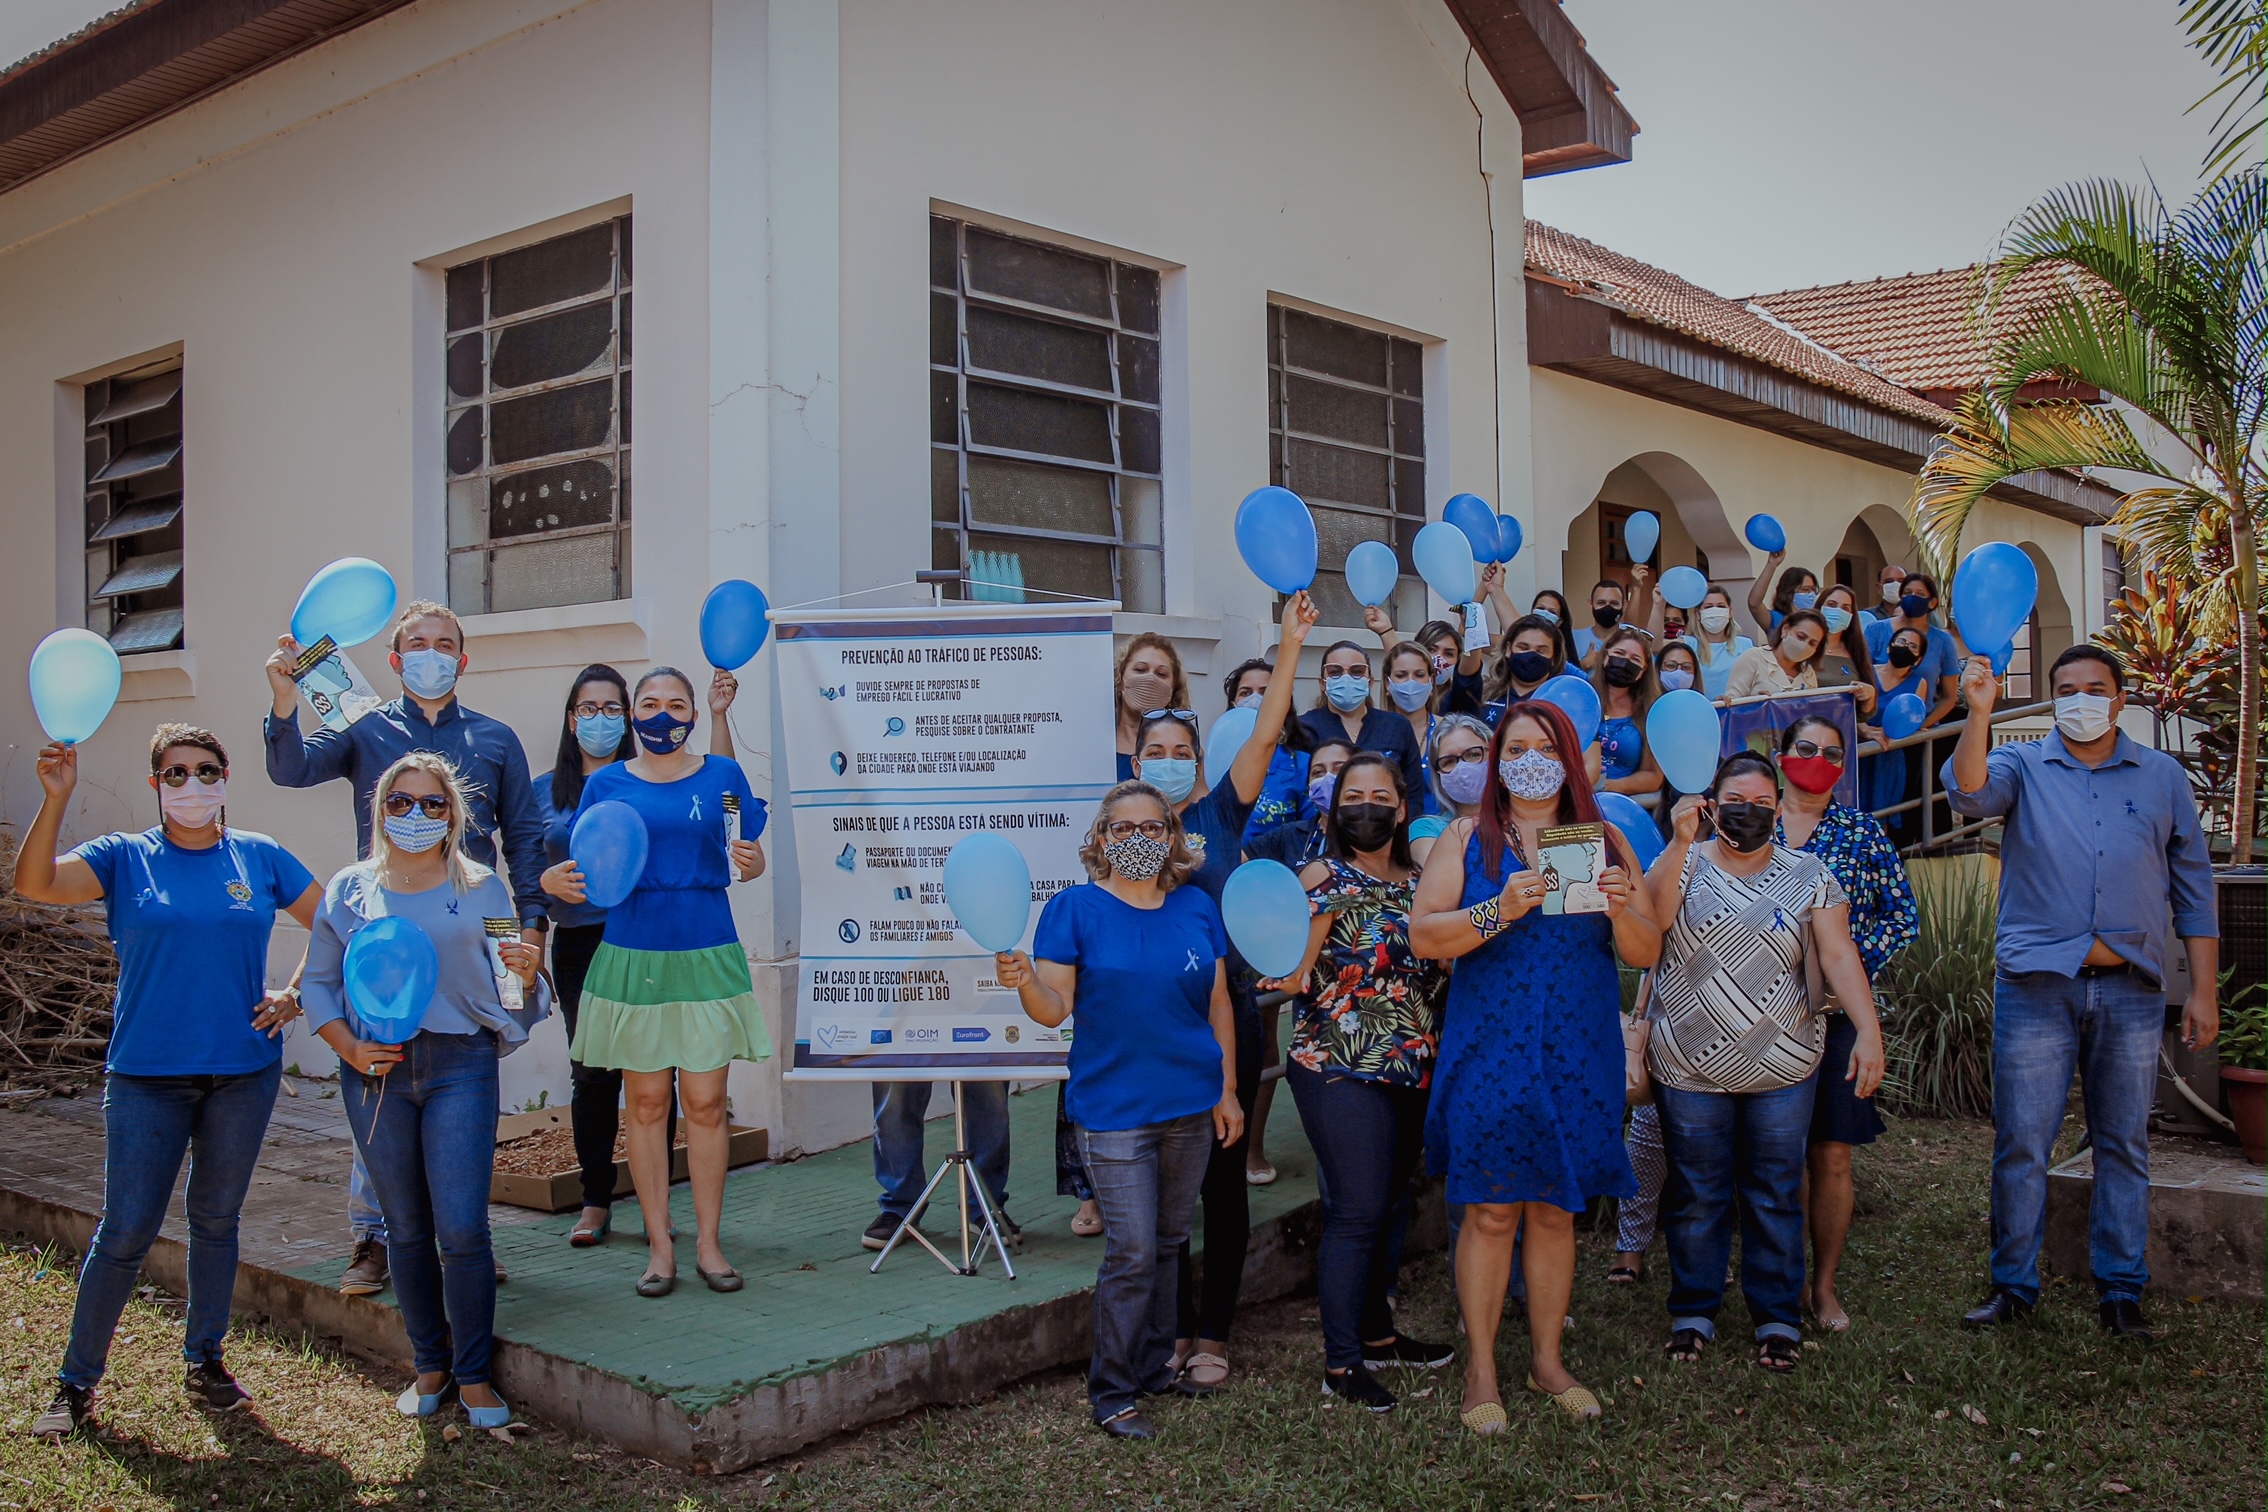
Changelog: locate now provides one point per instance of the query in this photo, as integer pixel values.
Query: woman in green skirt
(668, 1001)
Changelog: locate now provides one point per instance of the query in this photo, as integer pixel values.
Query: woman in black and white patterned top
(1737, 1034)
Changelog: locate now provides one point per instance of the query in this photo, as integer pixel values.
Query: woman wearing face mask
(1343, 709)
(668, 1001)
(1789, 667)
(1149, 677)
(1843, 660)
(1456, 672)
(1532, 657)
(1714, 642)
(1457, 755)
(194, 1060)
(424, 1113)
(1798, 588)
(1286, 784)
(1411, 689)
(1550, 606)
(1526, 1113)
(1884, 776)
(1736, 1037)
(1884, 921)
(1368, 1019)
(1627, 689)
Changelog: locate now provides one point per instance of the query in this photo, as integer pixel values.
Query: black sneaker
(878, 1232)
(66, 1414)
(366, 1272)
(211, 1386)
(1359, 1386)
(1415, 1354)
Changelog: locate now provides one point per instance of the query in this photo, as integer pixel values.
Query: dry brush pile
(57, 979)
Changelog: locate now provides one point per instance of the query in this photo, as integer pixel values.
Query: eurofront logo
(971, 1036)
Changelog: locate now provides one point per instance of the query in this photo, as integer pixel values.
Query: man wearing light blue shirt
(2101, 843)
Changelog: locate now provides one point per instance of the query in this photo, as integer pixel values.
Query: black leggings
(1206, 1310)
(597, 1107)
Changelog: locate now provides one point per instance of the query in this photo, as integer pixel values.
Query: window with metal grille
(133, 509)
(539, 424)
(1044, 421)
(1346, 432)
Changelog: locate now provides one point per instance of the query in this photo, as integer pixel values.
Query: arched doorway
(2047, 636)
(1695, 530)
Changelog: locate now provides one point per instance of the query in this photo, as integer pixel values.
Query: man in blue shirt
(428, 652)
(2101, 842)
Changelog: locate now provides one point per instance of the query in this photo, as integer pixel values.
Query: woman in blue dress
(1626, 687)
(1526, 1117)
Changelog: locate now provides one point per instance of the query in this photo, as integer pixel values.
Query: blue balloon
(1224, 740)
(609, 844)
(1993, 593)
(1276, 535)
(391, 970)
(75, 677)
(350, 601)
(2001, 658)
(1767, 534)
(1684, 587)
(733, 624)
(988, 885)
(1641, 533)
(1580, 700)
(1373, 572)
(1903, 716)
(1508, 538)
(1470, 513)
(1637, 826)
(1267, 916)
(1444, 557)
(1683, 733)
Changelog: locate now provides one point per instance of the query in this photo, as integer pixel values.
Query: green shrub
(1937, 996)
(2244, 1027)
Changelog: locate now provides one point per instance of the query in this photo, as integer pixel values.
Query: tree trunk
(2247, 552)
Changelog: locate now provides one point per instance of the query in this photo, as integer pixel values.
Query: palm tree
(2166, 313)
(2233, 36)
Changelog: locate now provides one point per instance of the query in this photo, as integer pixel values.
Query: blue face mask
(429, 674)
(1914, 607)
(1804, 600)
(1838, 620)
(1676, 679)
(663, 732)
(1346, 694)
(600, 734)
(1319, 792)
(1409, 695)
(1176, 777)
(414, 833)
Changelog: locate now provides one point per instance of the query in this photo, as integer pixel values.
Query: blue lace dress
(1527, 1094)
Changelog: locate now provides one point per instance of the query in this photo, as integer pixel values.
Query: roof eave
(1570, 115)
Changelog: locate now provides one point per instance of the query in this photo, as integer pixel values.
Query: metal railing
(1931, 793)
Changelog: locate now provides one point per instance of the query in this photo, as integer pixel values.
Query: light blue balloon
(350, 601)
(1684, 587)
(75, 677)
(1641, 533)
(1683, 732)
(1508, 538)
(1373, 572)
(1267, 916)
(734, 621)
(1276, 535)
(988, 885)
(1578, 698)
(391, 971)
(609, 843)
(1766, 534)
(1903, 716)
(1444, 558)
(1226, 738)
(1637, 826)
(1993, 594)
(1470, 513)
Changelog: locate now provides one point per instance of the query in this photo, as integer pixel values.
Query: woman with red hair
(1526, 1117)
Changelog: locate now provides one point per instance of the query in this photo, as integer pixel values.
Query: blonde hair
(464, 872)
(1181, 861)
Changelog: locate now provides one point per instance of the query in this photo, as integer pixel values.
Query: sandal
(1085, 1227)
(1779, 1355)
(1486, 1419)
(1205, 1369)
(1575, 1401)
(1619, 1274)
(1686, 1345)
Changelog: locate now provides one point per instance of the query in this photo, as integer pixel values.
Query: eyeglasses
(206, 772)
(1813, 748)
(1127, 829)
(431, 805)
(1185, 716)
(594, 710)
(1451, 761)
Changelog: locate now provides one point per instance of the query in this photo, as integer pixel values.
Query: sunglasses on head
(1833, 753)
(206, 772)
(1185, 716)
(431, 805)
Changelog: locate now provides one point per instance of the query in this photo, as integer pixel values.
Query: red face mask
(1814, 774)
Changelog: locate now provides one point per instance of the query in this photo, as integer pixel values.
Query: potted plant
(2244, 1071)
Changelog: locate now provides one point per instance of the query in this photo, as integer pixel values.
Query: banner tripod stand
(958, 1165)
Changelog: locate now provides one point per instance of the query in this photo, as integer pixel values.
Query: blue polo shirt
(2092, 853)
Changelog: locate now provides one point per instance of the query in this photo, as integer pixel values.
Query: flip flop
(1087, 1228)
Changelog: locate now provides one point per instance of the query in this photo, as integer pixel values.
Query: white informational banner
(903, 730)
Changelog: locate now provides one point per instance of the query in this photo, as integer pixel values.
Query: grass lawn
(1906, 1411)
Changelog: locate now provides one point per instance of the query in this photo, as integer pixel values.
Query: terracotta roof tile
(1916, 329)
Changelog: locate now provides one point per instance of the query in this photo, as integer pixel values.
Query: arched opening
(1878, 538)
(1695, 530)
(2047, 635)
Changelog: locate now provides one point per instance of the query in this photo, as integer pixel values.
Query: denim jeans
(1367, 1136)
(1146, 1183)
(364, 1215)
(1729, 1149)
(149, 1123)
(900, 1166)
(2108, 1029)
(428, 1131)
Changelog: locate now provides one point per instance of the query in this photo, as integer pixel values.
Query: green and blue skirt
(669, 1010)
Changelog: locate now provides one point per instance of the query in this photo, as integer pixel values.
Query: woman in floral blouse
(1363, 1043)
(1884, 921)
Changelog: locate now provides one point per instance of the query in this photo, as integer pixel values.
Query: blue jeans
(364, 1216)
(1146, 1182)
(900, 1109)
(1728, 1148)
(2108, 1029)
(428, 1131)
(1367, 1136)
(149, 1123)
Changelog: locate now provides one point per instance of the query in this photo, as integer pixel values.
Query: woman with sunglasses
(1736, 1039)
(668, 1001)
(1153, 1088)
(1884, 921)
(194, 1059)
(1789, 666)
(424, 1113)
(1343, 710)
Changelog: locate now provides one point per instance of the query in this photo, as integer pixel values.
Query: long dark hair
(1577, 803)
(1322, 699)
(1853, 636)
(1334, 839)
(567, 770)
(1791, 578)
(1500, 676)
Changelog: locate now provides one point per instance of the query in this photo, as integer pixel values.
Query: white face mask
(2083, 717)
(1715, 618)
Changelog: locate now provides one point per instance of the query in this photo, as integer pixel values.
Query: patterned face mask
(415, 833)
(1137, 858)
(1532, 775)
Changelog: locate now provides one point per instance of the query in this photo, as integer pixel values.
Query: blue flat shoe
(499, 1416)
(416, 1403)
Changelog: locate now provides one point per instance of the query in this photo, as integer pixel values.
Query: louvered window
(133, 508)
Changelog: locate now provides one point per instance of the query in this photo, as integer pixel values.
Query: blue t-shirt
(1145, 1051)
(1938, 658)
(1125, 767)
(1622, 747)
(680, 902)
(1717, 659)
(191, 929)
